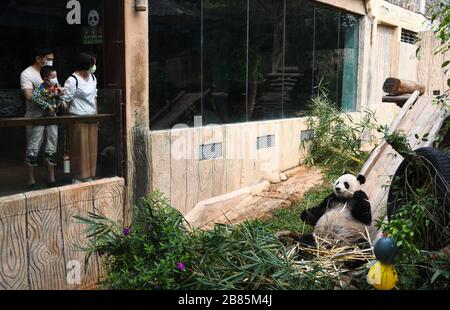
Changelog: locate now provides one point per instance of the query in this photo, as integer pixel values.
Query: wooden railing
(59, 120)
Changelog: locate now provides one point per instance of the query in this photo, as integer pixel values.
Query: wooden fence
(430, 71)
(39, 236)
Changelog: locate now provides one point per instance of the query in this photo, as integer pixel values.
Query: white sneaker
(76, 181)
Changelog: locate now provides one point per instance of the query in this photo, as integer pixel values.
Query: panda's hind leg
(307, 240)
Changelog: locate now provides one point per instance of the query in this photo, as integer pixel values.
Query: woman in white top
(81, 97)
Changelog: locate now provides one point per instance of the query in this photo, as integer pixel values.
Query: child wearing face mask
(48, 95)
(47, 99)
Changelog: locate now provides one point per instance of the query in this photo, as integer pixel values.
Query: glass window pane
(175, 62)
(266, 44)
(44, 25)
(225, 61)
(322, 44)
(299, 56)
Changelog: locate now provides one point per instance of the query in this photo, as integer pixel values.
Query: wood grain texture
(205, 167)
(430, 71)
(178, 177)
(248, 145)
(264, 156)
(191, 185)
(13, 244)
(407, 67)
(47, 268)
(139, 171)
(219, 181)
(160, 146)
(290, 148)
(78, 200)
(363, 62)
(420, 119)
(383, 60)
(395, 63)
(233, 158)
(394, 15)
(108, 198)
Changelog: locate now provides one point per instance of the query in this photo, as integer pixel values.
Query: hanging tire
(434, 166)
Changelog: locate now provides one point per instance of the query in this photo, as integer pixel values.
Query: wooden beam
(353, 6)
(391, 14)
(137, 128)
(399, 100)
(375, 155)
(60, 120)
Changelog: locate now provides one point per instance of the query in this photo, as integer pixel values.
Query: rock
(261, 187)
(209, 210)
(255, 202)
(273, 177)
(283, 177)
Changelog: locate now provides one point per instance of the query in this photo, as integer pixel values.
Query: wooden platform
(419, 116)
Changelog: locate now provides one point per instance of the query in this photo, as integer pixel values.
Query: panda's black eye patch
(346, 185)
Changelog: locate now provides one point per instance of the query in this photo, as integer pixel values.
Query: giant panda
(342, 218)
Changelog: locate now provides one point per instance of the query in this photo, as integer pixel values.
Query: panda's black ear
(361, 179)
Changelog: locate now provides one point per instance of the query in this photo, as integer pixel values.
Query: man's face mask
(47, 61)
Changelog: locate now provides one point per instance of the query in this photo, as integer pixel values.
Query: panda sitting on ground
(342, 218)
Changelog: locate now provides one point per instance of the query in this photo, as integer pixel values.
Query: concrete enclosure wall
(179, 171)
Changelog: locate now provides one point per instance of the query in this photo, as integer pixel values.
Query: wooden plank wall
(40, 239)
(185, 180)
(407, 62)
(430, 72)
(383, 59)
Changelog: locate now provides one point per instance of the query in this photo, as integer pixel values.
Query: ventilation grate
(436, 92)
(409, 37)
(210, 151)
(306, 135)
(265, 142)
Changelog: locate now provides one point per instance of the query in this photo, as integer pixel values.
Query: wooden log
(399, 100)
(394, 86)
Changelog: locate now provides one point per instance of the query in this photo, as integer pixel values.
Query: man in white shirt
(30, 79)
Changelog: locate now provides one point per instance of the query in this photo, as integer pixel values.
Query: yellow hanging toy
(382, 276)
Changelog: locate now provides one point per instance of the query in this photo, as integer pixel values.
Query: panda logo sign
(93, 18)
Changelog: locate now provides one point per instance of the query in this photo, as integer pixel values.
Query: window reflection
(25, 25)
(245, 60)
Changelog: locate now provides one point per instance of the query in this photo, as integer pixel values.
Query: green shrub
(151, 254)
(336, 145)
(157, 252)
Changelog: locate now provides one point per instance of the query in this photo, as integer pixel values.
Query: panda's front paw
(304, 215)
(360, 195)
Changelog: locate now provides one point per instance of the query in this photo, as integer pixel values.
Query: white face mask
(93, 69)
(48, 63)
(54, 81)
